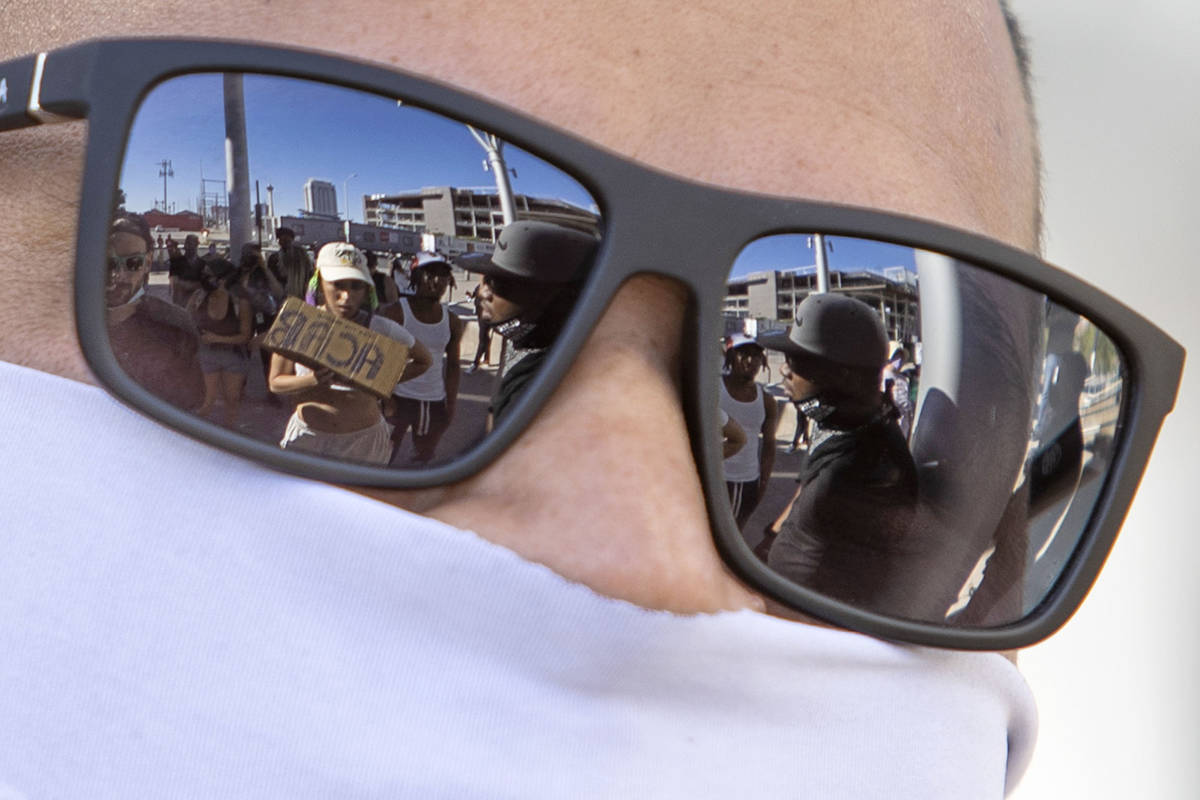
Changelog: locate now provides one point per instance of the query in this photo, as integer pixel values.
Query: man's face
(795, 384)
(285, 241)
(746, 362)
(431, 282)
(502, 298)
(128, 268)
(190, 245)
(912, 107)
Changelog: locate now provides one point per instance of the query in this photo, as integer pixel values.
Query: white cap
(340, 261)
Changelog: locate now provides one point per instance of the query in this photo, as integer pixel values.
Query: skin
(122, 283)
(430, 284)
(227, 384)
(324, 408)
(182, 289)
(520, 297)
(914, 107)
(746, 363)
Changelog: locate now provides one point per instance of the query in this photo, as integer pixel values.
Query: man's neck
(426, 306)
(742, 384)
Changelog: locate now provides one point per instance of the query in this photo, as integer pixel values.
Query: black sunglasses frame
(105, 81)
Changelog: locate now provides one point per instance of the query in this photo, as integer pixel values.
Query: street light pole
(495, 159)
(346, 194)
(822, 263)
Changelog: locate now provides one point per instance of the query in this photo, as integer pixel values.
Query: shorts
(425, 417)
(370, 445)
(214, 358)
(743, 497)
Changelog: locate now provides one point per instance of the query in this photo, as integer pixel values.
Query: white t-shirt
(172, 625)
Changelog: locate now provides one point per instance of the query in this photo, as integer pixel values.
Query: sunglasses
(127, 263)
(966, 502)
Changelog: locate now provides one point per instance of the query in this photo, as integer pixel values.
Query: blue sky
(844, 253)
(298, 130)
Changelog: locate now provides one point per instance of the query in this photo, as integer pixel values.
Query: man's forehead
(909, 106)
(126, 242)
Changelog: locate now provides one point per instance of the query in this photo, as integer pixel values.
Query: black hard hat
(539, 252)
(834, 328)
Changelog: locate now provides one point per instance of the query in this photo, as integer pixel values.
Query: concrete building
(320, 198)
(772, 296)
(467, 213)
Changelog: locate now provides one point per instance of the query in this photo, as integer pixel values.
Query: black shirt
(853, 520)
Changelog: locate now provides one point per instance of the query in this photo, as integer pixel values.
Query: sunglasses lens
(416, 381)
(939, 435)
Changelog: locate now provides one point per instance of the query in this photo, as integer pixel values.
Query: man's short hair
(134, 225)
(285, 232)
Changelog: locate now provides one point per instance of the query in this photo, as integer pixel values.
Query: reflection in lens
(941, 432)
(399, 339)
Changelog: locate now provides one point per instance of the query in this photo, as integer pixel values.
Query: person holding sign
(331, 417)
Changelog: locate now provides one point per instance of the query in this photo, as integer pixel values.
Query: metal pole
(494, 148)
(258, 213)
(346, 194)
(822, 263)
(237, 164)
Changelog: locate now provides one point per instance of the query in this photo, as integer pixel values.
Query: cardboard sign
(359, 356)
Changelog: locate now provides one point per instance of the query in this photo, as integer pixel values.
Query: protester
(154, 341)
(332, 418)
(265, 293)
(746, 402)
(425, 405)
(385, 287)
(184, 270)
(800, 435)
(854, 507)
(483, 346)
(896, 387)
(529, 287)
(225, 320)
(291, 263)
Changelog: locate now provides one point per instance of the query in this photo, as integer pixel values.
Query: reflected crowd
(195, 344)
(956, 499)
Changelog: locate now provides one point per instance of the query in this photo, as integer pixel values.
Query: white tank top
(430, 384)
(742, 466)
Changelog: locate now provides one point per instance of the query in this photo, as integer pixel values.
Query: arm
(453, 368)
(777, 525)
(274, 286)
(391, 292)
(284, 380)
(245, 327)
(766, 457)
(733, 438)
(419, 361)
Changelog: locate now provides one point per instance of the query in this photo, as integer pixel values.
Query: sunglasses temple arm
(23, 96)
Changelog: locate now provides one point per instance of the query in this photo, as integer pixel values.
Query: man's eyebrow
(1020, 46)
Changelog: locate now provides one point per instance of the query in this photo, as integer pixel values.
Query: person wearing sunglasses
(151, 337)
(529, 289)
(611, 644)
(854, 509)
